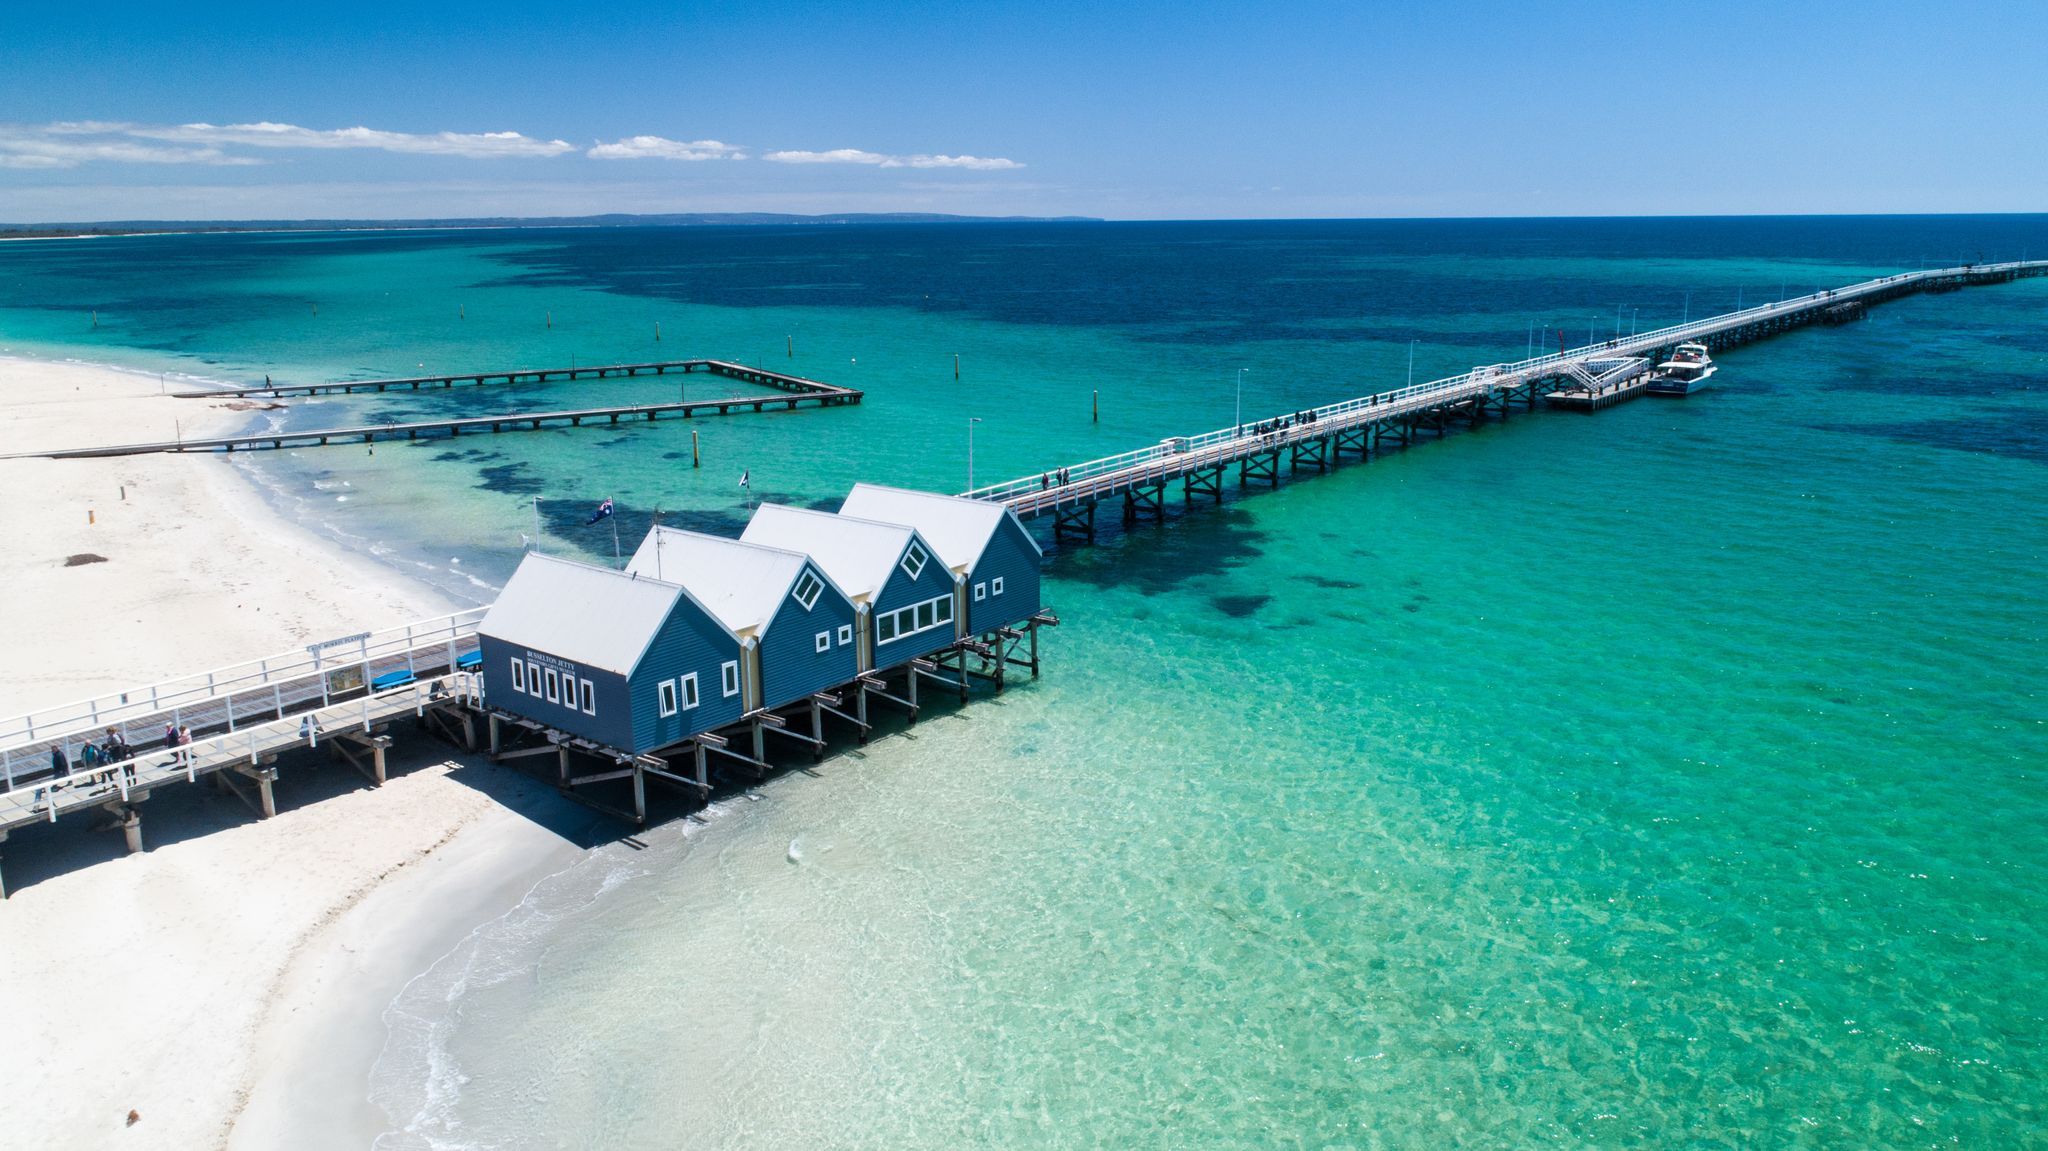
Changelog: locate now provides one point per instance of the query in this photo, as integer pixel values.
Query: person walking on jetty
(184, 752)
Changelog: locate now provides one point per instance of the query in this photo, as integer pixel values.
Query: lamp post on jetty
(1411, 363)
(971, 421)
(1239, 422)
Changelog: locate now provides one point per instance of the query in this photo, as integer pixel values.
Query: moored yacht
(1686, 372)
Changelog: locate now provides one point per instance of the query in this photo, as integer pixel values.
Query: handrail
(118, 708)
(211, 753)
(1081, 479)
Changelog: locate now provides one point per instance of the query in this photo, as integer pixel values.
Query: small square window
(824, 642)
(589, 698)
(845, 634)
(914, 560)
(729, 677)
(666, 692)
(980, 592)
(518, 675)
(995, 586)
(689, 683)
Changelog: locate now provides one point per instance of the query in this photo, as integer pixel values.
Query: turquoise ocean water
(1671, 777)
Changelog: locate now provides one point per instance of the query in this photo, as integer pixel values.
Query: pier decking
(802, 392)
(726, 368)
(1317, 439)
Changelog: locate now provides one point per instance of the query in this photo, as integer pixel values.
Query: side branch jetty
(801, 393)
(1318, 439)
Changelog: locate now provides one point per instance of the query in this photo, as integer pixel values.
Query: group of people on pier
(1282, 423)
(1057, 476)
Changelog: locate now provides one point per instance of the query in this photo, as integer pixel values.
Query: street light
(971, 421)
(1411, 363)
(1240, 401)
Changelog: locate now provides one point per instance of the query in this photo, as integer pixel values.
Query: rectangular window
(980, 592)
(914, 560)
(945, 609)
(533, 679)
(807, 588)
(689, 683)
(589, 698)
(729, 677)
(518, 675)
(824, 641)
(924, 616)
(554, 683)
(919, 617)
(886, 627)
(845, 634)
(666, 692)
(995, 586)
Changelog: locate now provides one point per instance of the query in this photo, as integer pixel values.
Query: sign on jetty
(1318, 438)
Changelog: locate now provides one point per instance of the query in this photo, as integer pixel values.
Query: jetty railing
(45, 798)
(274, 685)
(1178, 455)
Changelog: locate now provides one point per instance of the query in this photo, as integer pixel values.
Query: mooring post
(956, 365)
(792, 346)
(1095, 406)
(696, 461)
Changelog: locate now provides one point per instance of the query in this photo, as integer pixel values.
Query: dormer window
(808, 588)
(914, 561)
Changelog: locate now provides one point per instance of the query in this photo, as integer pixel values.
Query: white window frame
(589, 697)
(845, 634)
(980, 591)
(554, 682)
(689, 685)
(914, 559)
(824, 641)
(729, 677)
(995, 586)
(518, 675)
(904, 620)
(665, 695)
(533, 679)
(809, 581)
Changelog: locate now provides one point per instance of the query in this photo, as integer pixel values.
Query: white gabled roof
(592, 615)
(958, 528)
(741, 584)
(857, 554)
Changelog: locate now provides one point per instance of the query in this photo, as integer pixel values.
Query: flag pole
(614, 517)
(536, 523)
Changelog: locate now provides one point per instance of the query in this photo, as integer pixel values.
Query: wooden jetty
(726, 368)
(1317, 439)
(801, 392)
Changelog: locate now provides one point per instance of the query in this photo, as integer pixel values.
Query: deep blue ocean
(1667, 777)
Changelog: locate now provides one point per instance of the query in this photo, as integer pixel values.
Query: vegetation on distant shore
(615, 220)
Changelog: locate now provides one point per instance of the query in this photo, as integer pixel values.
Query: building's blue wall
(689, 641)
(1011, 557)
(792, 667)
(611, 726)
(936, 579)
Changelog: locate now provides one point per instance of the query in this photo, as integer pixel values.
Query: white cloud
(658, 148)
(881, 160)
(44, 149)
(264, 134)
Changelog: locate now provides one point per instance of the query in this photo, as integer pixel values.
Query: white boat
(1686, 372)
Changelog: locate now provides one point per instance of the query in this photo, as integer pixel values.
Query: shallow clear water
(1671, 776)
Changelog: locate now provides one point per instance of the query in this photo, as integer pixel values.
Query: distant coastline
(87, 230)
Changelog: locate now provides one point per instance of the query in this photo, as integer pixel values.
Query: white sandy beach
(237, 963)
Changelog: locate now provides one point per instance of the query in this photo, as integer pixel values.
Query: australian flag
(604, 509)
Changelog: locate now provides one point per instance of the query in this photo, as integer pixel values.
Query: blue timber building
(990, 552)
(797, 632)
(632, 663)
(905, 595)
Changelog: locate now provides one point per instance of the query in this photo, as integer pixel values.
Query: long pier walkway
(1318, 439)
(518, 376)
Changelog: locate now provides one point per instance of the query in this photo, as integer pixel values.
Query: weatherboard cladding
(792, 667)
(859, 555)
(741, 583)
(935, 579)
(611, 726)
(591, 615)
(1013, 557)
(692, 640)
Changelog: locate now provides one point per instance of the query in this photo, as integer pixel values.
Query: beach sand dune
(238, 962)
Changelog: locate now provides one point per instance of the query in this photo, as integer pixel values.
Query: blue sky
(1191, 110)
